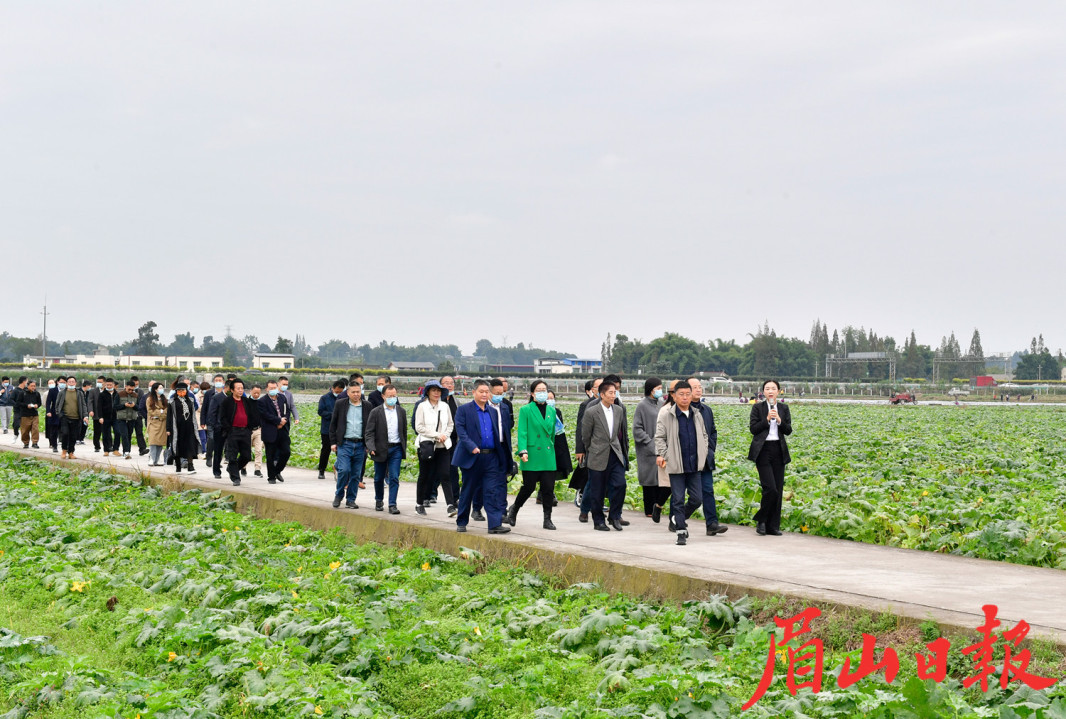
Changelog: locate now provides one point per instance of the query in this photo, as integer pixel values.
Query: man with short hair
(105, 416)
(137, 425)
(356, 377)
(710, 508)
(16, 415)
(283, 389)
(257, 436)
(386, 441)
(602, 430)
(208, 423)
(448, 383)
(681, 444)
(274, 416)
(93, 400)
(73, 413)
(86, 387)
(7, 403)
(325, 410)
(238, 416)
(125, 405)
(213, 416)
(377, 398)
(29, 404)
(484, 454)
(51, 419)
(347, 429)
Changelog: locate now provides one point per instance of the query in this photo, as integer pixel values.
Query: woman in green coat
(536, 450)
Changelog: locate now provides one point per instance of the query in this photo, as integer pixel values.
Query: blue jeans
(710, 509)
(679, 509)
(390, 468)
(351, 461)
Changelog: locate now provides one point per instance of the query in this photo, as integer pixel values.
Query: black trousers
(122, 434)
(434, 472)
(51, 432)
(137, 426)
(69, 431)
(238, 451)
(610, 482)
(220, 449)
(84, 431)
(530, 481)
(107, 429)
(653, 496)
(323, 454)
(278, 453)
(771, 466)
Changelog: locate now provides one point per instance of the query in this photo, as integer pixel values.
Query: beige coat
(157, 425)
(669, 446)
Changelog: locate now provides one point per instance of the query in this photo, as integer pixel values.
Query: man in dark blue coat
(274, 413)
(325, 411)
(483, 453)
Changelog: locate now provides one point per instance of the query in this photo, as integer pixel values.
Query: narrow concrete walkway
(922, 585)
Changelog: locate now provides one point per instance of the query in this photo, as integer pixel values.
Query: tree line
(764, 354)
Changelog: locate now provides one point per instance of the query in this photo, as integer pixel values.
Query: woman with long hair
(156, 404)
(770, 423)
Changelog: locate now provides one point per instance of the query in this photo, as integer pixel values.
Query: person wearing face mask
(376, 398)
(536, 451)
(770, 422)
(644, 417)
(579, 480)
(484, 455)
(125, 404)
(325, 411)
(214, 415)
(105, 416)
(433, 425)
(156, 406)
(137, 425)
(93, 399)
(73, 412)
(385, 437)
(283, 390)
(86, 386)
(51, 418)
(208, 423)
(197, 392)
(274, 418)
(257, 436)
(29, 402)
(7, 403)
(16, 393)
(448, 383)
(181, 429)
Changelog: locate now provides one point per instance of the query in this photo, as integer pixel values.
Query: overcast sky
(541, 172)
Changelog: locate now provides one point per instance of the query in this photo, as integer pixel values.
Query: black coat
(760, 427)
(338, 423)
(184, 439)
(376, 433)
(229, 408)
(105, 405)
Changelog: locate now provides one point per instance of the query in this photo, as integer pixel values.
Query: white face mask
(51, 385)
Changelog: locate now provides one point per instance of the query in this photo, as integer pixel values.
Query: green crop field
(984, 481)
(117, 601)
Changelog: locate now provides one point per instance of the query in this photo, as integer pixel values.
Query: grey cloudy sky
(548, 172)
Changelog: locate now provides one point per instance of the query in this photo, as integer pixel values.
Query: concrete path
(922, 585)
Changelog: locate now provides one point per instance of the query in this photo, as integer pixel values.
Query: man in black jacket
(206, 423)
(93, 398)
(16, 414)
(238, 415)
(29, 404)
(377, 397)
(105, 416)
(137, 425)
(347, 429)
(386, 441)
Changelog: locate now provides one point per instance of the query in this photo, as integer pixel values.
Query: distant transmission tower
(44, 332)
(229, 330)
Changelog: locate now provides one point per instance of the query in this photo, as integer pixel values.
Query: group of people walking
(673, 433)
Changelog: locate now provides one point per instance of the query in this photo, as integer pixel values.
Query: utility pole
(44, 333)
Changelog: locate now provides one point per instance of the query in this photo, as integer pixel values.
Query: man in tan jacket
(681, 449)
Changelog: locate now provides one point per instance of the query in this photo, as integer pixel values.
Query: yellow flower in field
(334, 566)
(224, 530)
(79, 586)
(925, 492)
(237, 528)
(318, 710)
(477, 631)
(980, 500)
(288, 544)
(295, 595)
(1, 552)
(171, 657)
(425, 566)
(299, 569)
(803, 528)
(327, 575)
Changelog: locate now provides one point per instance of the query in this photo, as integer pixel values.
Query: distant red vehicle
(985, 381)
(904, 398)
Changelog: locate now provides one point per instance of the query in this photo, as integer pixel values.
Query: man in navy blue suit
(483, 453)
